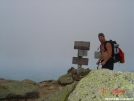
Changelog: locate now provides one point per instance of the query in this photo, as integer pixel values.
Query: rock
(60, 87)
(83, 71)
(70, 70)
(46, 85)
(62, 94)
(48, 80)
(72, 75)
(74, 72)
(103, 83)
(29, 81)
(51, 87)
(77, 77)
(65, 79)
(1, 78)
(82, 74)
(18, 89)
(42, 84)
(54, 82)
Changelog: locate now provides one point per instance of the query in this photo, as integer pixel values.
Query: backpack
(117, 53)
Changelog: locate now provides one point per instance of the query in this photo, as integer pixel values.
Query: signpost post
(82, 47)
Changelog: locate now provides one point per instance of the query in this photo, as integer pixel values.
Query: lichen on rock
(18, 89)
(103, 83)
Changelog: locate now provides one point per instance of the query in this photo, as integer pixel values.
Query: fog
(37, 36)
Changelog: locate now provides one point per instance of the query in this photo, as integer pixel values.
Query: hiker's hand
(103, 63)
(98, 62)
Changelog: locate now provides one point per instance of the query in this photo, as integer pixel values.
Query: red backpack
(122, 58)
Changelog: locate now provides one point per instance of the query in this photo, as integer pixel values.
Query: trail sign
(83, 45)
(80, 61)
(82, 52)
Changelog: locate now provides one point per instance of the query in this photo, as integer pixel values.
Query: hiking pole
(98, 65)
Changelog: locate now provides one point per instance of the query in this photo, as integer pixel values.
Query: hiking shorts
(109, 64)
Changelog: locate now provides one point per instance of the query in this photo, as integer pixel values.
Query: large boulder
(18, 89)
(62, 94)
(103, 83)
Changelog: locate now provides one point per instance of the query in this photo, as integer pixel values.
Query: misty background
(37, 36)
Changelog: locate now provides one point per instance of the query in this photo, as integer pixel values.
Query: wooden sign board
(80, 61)
(97, 54)
(82, 52)
(83, 45)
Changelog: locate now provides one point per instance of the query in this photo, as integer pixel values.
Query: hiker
(105, 58)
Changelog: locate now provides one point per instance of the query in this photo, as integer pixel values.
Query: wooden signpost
(80, 61)
(82, 47)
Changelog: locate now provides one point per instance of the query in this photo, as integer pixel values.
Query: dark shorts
(109, 64)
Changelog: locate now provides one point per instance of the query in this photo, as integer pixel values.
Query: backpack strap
(105, 45)
(112, 44)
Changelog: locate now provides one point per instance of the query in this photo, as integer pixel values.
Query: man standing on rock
(105, 58)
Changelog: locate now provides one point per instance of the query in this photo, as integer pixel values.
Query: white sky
(37, 36)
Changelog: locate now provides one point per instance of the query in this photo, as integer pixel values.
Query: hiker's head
(101, 37)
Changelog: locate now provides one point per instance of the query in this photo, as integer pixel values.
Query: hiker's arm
(100, 57)
(109, 51)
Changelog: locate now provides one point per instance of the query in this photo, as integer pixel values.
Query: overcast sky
(37, 36)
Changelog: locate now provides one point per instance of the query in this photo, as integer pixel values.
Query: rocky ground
(96, 86)
(46, 89)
